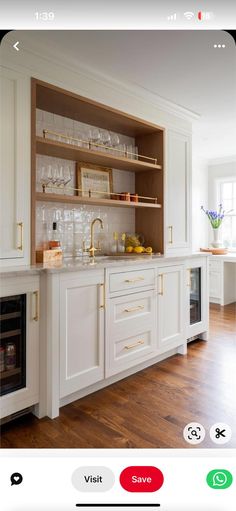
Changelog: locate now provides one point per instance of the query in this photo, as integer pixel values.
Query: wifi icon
(189, 15)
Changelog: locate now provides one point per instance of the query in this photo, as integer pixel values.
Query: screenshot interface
(117, 256)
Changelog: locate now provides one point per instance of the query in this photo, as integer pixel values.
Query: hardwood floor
(150, 408)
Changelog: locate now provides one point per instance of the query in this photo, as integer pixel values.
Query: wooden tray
(215, 251)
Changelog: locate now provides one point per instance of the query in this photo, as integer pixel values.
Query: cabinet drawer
(128, 315)
(215, 265)
(132, 346)
(125, 281)
(129, 351)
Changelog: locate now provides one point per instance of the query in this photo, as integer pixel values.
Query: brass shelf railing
(90, 193)
(128, 154)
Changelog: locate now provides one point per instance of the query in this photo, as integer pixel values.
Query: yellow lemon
(148, 250)
(129, 249)
(139, 250)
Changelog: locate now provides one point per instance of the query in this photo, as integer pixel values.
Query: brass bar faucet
(92, 248)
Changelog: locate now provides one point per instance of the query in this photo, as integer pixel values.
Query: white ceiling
(181, 66)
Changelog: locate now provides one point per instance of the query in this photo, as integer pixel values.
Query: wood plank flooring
(150, 408)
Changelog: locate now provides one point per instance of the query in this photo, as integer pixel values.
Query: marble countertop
(101, 262)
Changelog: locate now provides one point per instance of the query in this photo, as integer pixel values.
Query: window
(227, 197)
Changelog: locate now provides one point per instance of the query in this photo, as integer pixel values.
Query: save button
(141, 479)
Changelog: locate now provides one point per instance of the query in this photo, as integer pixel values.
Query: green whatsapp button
(219, 479)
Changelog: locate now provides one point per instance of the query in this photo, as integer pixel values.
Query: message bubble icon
(16, 478)
(219, 479)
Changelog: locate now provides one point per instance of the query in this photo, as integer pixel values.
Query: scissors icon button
(220, 433)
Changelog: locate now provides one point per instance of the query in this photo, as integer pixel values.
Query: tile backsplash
(73, 224)
(73, 221)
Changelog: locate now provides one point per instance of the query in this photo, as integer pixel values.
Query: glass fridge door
(195, 295)
(12, 343)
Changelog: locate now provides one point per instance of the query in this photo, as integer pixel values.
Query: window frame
(219, 182)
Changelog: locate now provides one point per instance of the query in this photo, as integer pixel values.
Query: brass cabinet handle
(103, 305)
(134, 309)
(171, 234)
(137, 279)
(36, 315)
(130, 346)
(21, 225)
(161, 284)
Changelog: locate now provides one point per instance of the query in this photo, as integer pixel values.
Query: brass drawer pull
(171, 234)
(103, 305)
(132, 281)
(161, 285)
(134, 309)
(130, 346)
(21, 225)
(36, 315)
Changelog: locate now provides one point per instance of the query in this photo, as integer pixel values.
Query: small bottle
(121, 245)
(55, 241)
(10, 356)
(114, 245)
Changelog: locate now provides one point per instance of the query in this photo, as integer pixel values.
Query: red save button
(141, 479)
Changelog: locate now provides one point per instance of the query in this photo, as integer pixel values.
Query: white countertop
(227, 258)
(101, 262)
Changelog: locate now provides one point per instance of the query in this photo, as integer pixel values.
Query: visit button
(141, 479)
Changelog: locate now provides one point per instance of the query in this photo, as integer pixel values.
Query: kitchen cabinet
(13, 328)
(196, 282)
(170, 307)
(14, 167)
(222, 279)
(81, 317)
(178, 194)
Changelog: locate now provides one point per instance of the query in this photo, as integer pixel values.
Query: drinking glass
(114, 143)
(94, 136)
(44, 179)
(105, 138)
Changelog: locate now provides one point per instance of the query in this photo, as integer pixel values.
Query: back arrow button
(16, 46)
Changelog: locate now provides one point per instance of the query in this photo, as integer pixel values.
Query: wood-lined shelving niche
(148, 137)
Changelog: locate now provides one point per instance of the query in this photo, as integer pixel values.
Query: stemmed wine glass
(94, 136)
(45, 178)
(105, 138)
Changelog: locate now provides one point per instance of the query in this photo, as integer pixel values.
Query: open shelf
(49, 147)
(74, 199)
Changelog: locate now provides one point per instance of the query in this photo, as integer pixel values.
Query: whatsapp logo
(219, 479)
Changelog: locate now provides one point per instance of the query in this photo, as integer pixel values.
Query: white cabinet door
(177, 231)
(14, 164)
(170, 312)
(81, 332)
(28, 395)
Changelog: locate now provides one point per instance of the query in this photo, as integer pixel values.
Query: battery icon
(205, 15)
